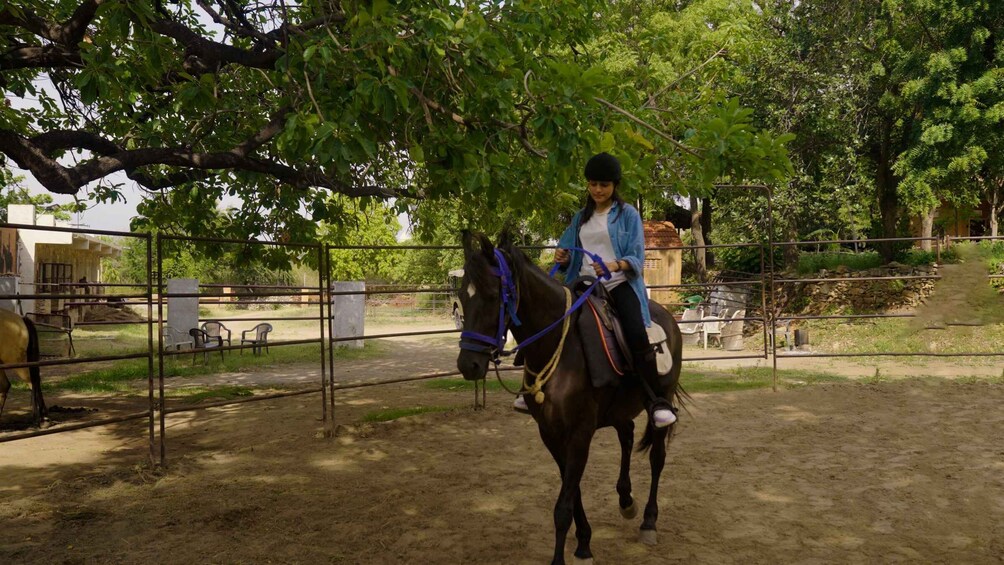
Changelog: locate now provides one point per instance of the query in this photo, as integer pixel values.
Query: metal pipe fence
(760, 302)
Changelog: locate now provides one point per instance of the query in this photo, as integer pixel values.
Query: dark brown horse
(572, 408)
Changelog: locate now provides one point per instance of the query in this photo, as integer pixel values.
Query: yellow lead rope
(540, 379)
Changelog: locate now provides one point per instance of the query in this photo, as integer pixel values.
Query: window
(54, 278)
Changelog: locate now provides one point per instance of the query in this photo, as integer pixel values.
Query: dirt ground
(900, 471)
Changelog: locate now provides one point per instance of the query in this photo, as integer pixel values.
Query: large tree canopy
(283, 104)
(493, 105)
(899, 100)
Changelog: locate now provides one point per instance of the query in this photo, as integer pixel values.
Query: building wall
(83, 265)
(28, 241)
(954, 221)
(664, 267)
(37, 247)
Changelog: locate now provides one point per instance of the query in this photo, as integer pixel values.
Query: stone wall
(847, 296)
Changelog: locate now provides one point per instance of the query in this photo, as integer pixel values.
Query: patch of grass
(459, 384)
(194, 395)
(395, 413)
(749, 378)
(118, 339)
(899, 335)
(118, 377)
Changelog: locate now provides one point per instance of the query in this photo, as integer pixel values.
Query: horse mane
(519, 261)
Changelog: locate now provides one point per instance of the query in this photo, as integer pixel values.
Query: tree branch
(651, 99)
(212, 54)
(35, 57)
(33, 155)
(649, 126)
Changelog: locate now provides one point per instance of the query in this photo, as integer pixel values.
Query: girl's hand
(611, 266)
(562, 256)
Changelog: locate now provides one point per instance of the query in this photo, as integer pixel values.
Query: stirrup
(519, 404)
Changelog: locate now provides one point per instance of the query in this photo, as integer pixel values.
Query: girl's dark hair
(590, 207)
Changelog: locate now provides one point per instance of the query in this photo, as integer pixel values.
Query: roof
(95, 245)
(661, 234)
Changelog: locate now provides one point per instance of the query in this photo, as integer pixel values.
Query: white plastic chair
(690, 326)
(174, 339)
(711, 327)
(732, 332)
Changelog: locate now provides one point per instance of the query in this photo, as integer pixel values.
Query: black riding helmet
(603, 167)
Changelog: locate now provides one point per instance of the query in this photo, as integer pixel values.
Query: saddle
(607, 353)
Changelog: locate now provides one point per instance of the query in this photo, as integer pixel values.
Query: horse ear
(487, 249)
(505, 238)
(467, 241)
(475, 242)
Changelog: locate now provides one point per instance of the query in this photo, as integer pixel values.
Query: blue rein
(495, 346)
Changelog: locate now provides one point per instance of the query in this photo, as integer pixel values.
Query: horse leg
(657, 459)
(625, 434)
(563, 516)
(569, 503)
(4, 389)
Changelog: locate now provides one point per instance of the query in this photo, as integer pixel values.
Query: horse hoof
(648, 537)
(586, 561)
(629, 512)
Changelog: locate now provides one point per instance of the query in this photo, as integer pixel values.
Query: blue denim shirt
(628, 238)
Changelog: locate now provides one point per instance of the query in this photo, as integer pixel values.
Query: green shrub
(809, 263)
(916, 257)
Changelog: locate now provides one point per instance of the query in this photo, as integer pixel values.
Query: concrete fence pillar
(348, 312)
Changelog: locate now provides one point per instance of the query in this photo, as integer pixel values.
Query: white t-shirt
(595, 236)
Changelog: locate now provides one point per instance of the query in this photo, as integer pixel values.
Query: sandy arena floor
(896, 472)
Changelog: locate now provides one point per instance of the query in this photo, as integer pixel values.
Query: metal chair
(258, 338)
(57, 323)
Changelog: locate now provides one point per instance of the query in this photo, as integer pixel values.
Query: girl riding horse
(503, 290)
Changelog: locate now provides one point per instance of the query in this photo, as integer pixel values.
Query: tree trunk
(995, 207)
(697, 232)
(888, 200)
(706, 212)
(927, 228)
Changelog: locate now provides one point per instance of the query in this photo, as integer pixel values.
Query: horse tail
(34, 372)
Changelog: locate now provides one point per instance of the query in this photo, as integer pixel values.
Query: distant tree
(896, 97)
(13, 192)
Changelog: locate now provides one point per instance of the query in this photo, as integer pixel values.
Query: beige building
(51, 262)
(664, 263)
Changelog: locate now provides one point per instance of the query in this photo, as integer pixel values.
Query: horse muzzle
(473, 365)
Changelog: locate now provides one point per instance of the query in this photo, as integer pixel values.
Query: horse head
(487, 295)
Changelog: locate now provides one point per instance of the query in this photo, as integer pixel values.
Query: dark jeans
(629, 313)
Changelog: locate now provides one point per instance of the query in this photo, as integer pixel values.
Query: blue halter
(495, 346)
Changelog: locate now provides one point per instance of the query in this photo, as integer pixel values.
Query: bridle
(495, 346)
